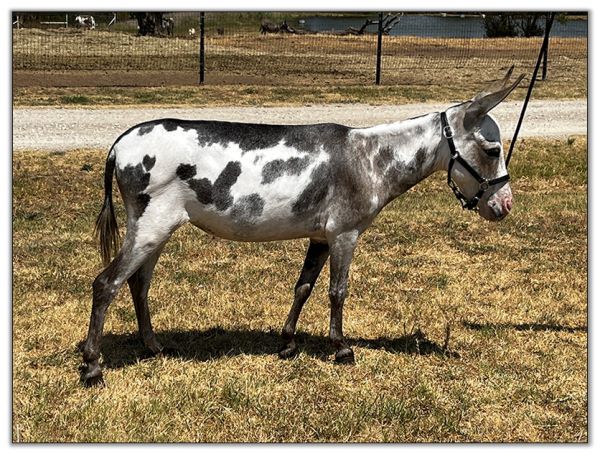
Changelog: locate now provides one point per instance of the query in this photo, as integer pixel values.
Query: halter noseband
(455, 156)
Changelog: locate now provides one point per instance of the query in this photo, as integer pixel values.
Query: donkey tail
(106, 230)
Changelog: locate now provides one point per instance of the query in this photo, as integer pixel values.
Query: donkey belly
(253, 219)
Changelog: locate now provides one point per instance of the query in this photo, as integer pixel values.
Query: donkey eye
(493, 152)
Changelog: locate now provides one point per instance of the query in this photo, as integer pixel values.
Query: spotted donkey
(259, 182)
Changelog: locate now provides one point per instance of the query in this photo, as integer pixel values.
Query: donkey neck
(404, 153)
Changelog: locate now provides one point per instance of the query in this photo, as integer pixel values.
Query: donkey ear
(481, 105)
(495, 86)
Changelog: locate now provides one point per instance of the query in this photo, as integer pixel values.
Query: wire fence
(297, 48)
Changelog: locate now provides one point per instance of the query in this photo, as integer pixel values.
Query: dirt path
(66, 129)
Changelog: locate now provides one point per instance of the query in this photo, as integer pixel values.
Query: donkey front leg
(316, 256)
(342, 249)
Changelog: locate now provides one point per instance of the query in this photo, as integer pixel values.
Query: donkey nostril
(508, 204)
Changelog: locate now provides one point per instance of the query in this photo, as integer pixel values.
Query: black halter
(455, 156)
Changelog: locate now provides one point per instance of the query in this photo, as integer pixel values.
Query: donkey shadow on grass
(525, 327)
(121, 350)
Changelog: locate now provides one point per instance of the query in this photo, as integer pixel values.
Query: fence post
(545, 61)
(66, 21)
(201, 48)
(378, 62)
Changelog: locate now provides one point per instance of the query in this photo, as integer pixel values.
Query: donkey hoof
(92, 376)
(344, 356)
(168, 351)
(94, 382)
(288, 351)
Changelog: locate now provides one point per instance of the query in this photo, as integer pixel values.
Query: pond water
(432, 26)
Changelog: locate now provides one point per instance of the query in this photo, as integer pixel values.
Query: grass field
(463, 330)
(288, 60)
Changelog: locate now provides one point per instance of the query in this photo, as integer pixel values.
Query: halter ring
(448, 132)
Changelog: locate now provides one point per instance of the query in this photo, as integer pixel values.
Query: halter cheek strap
(484, 183)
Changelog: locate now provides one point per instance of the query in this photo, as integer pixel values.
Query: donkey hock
(258, 182)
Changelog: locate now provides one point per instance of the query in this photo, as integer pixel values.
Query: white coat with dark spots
(258, 182)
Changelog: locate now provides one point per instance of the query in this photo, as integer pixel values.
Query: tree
(153, 23)
(513, 24)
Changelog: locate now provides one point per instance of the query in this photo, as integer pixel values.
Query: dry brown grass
(513, 295)
(62, 48)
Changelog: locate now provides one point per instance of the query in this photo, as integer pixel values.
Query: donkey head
(479, 143)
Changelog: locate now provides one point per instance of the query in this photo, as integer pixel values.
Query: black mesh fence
(296, 48)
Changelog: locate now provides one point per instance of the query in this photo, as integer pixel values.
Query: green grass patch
(75, 99)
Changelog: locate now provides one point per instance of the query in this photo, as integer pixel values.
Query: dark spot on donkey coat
(133, 181)
(248, 208)
(383, 158)
(186, 171)
(145, 129)
(315, 191)
(221, 195)
(149, 162)
(415, 166)
(278, 168)
(217, 193)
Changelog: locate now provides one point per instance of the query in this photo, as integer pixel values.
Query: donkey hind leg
(316, 256)
(139, 285)
(137, 248)
(342, 249)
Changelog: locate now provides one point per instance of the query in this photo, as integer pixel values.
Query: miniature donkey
(260, 182)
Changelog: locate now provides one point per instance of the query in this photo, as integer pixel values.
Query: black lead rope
(543, 49)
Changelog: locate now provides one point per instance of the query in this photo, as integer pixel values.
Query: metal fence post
(378, 63)
(201, 48)
(545, 61)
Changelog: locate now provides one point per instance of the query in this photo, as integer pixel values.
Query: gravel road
(66, 129)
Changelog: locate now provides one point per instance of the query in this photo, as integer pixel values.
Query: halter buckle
(484, 185)
(448, 132)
